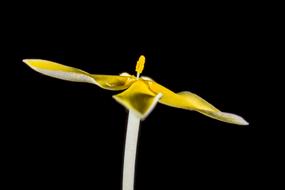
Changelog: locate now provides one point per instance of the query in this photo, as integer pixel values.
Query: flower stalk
(130, 151)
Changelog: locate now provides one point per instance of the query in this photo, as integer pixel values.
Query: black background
(68, 134)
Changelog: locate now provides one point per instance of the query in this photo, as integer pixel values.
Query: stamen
(140, 65)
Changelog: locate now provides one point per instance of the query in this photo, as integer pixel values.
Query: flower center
(140, 65)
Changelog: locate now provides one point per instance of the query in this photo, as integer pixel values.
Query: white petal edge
(156, 99)
(146, 78)
(125, 74)
(69, 76)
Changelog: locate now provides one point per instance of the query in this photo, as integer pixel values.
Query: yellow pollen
(140, 65)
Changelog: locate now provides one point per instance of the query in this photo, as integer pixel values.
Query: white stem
(130, 151)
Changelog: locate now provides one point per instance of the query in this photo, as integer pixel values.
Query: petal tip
(29, 62)
(243, 122)
(239, 120)
(26, 61)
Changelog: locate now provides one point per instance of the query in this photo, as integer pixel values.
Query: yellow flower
(141, 93)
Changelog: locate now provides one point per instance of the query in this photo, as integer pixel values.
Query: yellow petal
(190, 101)
(138, 98)
(56, 70)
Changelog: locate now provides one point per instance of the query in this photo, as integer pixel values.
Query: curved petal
(138, 98)
(56, 70)
(190, 101)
